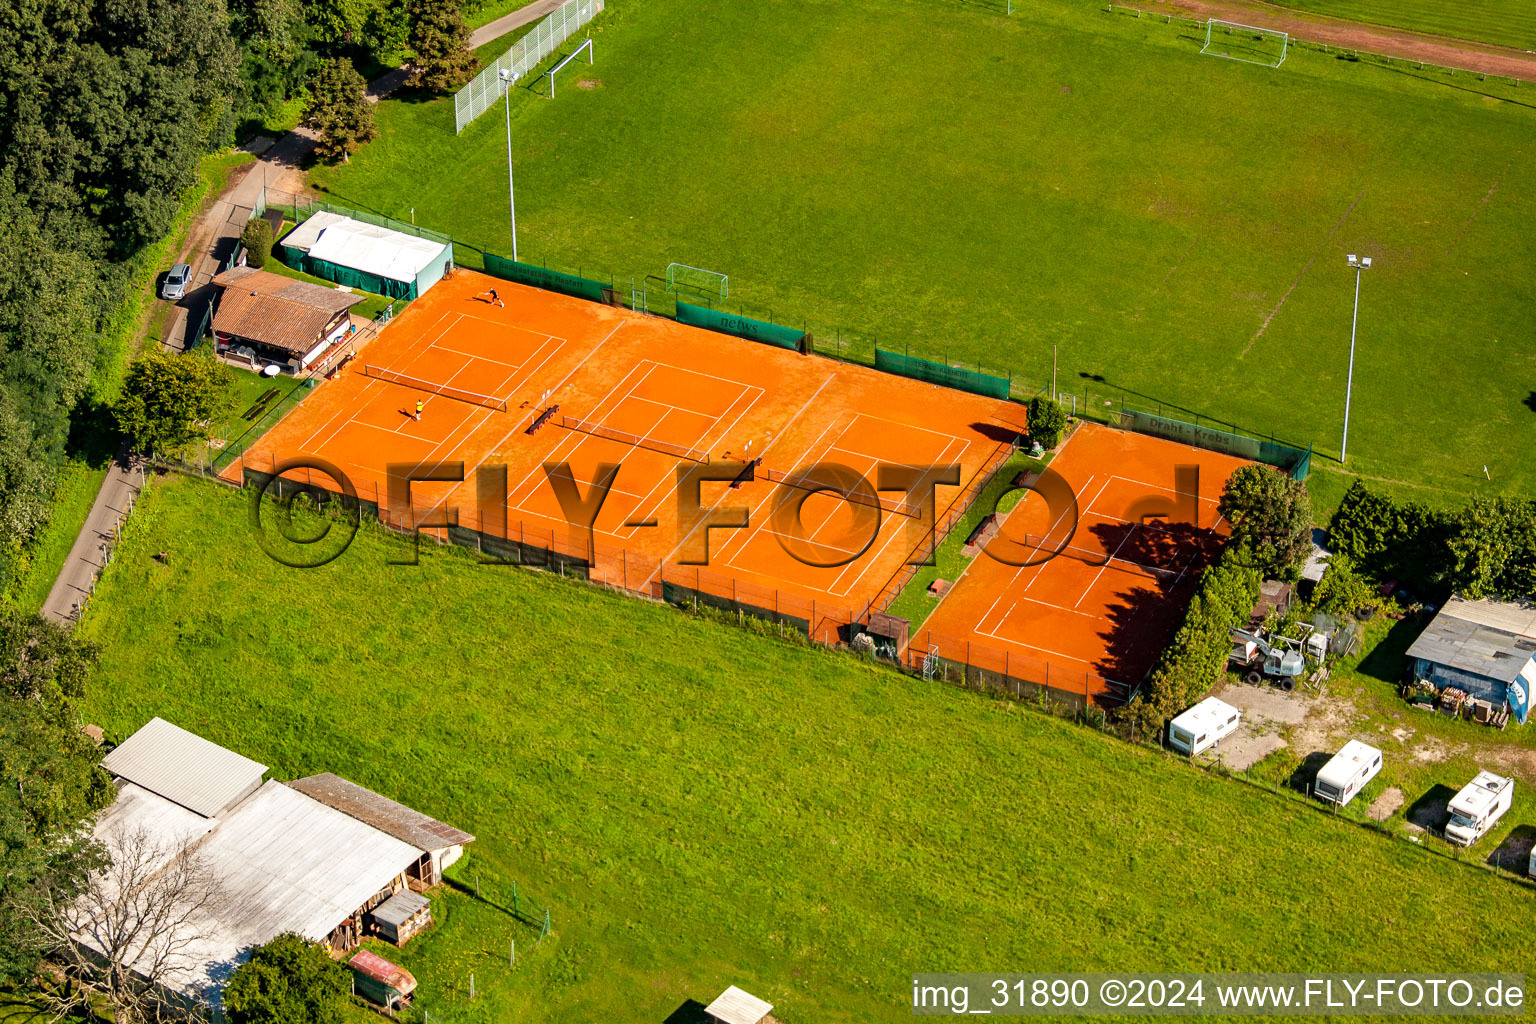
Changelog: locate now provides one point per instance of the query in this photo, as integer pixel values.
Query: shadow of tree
(1388, 660)
(1148, 609)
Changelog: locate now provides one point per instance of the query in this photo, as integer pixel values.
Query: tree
(257, 239)
(1271, 517)
(165, 398)
(290, 980)
(339, 110)
(440, 40)
(50, 782)
(1047, 421)
(144, 910)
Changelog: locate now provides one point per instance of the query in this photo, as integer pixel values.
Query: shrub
(257, 239)
(1047, 421)
(1342, 589)
(290, 980)
(1485, 548)
(166, 397)
(1194, 658)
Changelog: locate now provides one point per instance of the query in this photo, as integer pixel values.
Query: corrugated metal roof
(285, 863)
(1506, 615)
(1473, 647)
(183, 767)
(400, 908)
(411, 826)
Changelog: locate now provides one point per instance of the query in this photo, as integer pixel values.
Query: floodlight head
(1354, 260)
(1365, 261)
(505, 74)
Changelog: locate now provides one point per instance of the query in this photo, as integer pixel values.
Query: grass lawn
(1505, 22)
(1031, 182)
(73, 495)
(701, 806)
(914, 603)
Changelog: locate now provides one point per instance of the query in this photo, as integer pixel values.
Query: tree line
(106, 110)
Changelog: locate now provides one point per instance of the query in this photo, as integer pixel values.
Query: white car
(176, 282)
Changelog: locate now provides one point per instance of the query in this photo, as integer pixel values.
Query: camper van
(1478, 807)
(1203, 726)
(1347, 772)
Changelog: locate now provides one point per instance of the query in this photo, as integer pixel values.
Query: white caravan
(1203, 726)
(1478, 807)
(1347, 772)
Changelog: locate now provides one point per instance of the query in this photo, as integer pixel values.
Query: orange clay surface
(1101, 610)
(656, 379)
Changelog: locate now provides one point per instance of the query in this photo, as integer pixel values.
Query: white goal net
(1246, 43)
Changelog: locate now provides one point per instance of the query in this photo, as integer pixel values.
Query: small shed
(380, 981)
(367, 256)
(401, 916)
(737, 1007)
(1484, 648)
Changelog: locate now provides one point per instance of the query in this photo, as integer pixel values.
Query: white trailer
(1478, 807)
(1347, 772)
(1203, 726)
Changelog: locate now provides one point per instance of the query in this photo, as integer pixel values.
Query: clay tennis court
(650, 395)
(1092, 619)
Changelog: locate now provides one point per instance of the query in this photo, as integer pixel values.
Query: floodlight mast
(506, 84)
(1360, 263)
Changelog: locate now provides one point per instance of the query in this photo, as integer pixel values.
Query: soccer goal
(693, 279)
(586, 45)
(1245, 43)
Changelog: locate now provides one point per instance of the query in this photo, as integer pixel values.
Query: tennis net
(635, 440)
(445, 390)
(1049, 548)
(809, 483)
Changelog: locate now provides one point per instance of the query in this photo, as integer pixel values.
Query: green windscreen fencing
(741, 326)
(542, 277)
(938, 373)
(1296, 461)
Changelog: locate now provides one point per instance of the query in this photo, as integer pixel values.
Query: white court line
(517, 425)
(898, 530)
(745, 389)
(776, 438)
(1003, 590)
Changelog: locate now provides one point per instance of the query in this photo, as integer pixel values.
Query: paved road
(118, 492)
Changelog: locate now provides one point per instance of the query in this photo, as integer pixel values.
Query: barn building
(283, 860)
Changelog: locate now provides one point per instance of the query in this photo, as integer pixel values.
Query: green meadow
(698, 805)
(982, 188)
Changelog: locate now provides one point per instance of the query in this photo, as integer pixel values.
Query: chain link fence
(488, 86)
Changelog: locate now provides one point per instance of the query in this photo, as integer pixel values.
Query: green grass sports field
(988, 187)
(701, 806)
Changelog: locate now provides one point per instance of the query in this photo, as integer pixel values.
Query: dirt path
(1479, 57)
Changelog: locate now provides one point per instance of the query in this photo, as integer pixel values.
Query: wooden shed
(737, 1007)
(380, 981)
(401, 916)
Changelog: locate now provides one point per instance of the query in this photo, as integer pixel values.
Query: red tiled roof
(275, 310)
